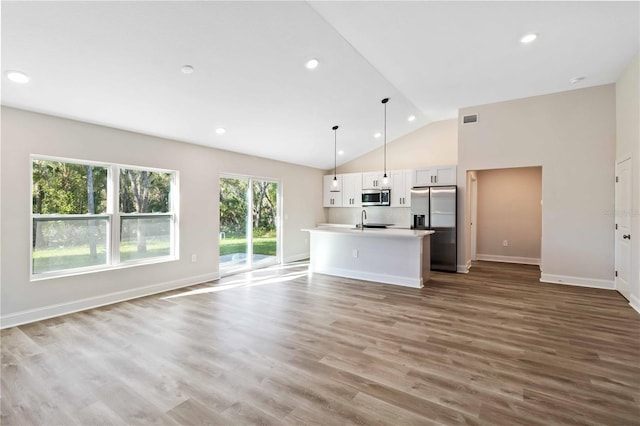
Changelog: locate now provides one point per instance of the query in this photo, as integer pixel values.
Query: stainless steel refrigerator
(435, 208)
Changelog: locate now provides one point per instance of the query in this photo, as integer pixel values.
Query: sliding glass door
(249, 223)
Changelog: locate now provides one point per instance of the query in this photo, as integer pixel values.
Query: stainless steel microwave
(376, 197)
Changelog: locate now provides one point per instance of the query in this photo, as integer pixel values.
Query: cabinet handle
(626, 237)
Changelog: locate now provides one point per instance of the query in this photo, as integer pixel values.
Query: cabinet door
(398, 190)
(401, 184)
(372, 180)
(409, 183)
(352, 190)
(437, 175)
(332, 196)
(444, 175)
(423, 177)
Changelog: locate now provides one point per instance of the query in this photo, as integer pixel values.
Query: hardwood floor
(494, 347)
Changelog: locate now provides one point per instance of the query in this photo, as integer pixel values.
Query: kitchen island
(391, 256)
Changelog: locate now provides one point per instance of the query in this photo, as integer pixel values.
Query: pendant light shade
(334, 183)
(385, 178)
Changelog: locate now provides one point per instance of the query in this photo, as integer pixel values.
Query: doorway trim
(473, 224)
(623, 284)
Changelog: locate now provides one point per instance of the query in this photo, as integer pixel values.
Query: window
(145, 214)
(92, 216)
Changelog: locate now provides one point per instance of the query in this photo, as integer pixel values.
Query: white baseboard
(378, 278)
(464, 269)
(635, 303)
(508, 259)
(296, 257)
(39, 314)
(577, 281)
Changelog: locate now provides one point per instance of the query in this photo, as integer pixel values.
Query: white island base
(392, 256)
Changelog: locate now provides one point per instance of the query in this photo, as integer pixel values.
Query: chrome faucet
(363, 216)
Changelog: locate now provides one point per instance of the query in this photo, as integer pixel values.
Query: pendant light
(335, 156)
(385, 178)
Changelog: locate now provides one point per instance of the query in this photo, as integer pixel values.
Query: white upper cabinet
(352, 190)
(332, 195)
(401, 184)
(436, 175)
(373, 180)
(348, 191)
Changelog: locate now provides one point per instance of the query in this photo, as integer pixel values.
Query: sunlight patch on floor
(275, 277)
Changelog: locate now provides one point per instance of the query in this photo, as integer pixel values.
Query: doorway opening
(505, 215)
(249, 223)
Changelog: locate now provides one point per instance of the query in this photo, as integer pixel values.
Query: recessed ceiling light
(17, 77)
(528, 38)
(312, 64)
(341, 152)
(411, 118)
(377, 135)
(221, 131)
(576, 80)
(187, 69)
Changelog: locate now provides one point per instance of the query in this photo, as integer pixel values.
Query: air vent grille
(468, 119)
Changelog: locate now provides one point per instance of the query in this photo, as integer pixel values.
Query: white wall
(572, 136)
(25, 133)
(628, 143)
(431, 145)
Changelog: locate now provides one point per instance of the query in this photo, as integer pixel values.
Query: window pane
(264, 222)
(68, 188)
(143, 191)
(145, 237)
(233, 223)
(68, 244)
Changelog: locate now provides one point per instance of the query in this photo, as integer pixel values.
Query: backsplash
(398, 216)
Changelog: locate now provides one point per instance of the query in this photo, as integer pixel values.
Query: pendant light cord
(384, 101)
(385, 138)
(335, 151)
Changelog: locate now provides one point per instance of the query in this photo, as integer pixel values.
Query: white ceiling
(118, 64)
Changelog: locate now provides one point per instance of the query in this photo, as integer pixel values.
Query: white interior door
(623, 227)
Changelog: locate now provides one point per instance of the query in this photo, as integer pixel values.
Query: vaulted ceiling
(119, 64)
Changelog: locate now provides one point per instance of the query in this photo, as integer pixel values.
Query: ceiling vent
(468, 119)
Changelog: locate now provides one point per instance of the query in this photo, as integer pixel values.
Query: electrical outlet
(355, 253)
(194, 258)
(505, 243)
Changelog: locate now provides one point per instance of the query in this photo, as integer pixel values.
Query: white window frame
(113, 216)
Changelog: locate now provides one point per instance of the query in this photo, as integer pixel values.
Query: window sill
(46, 276)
